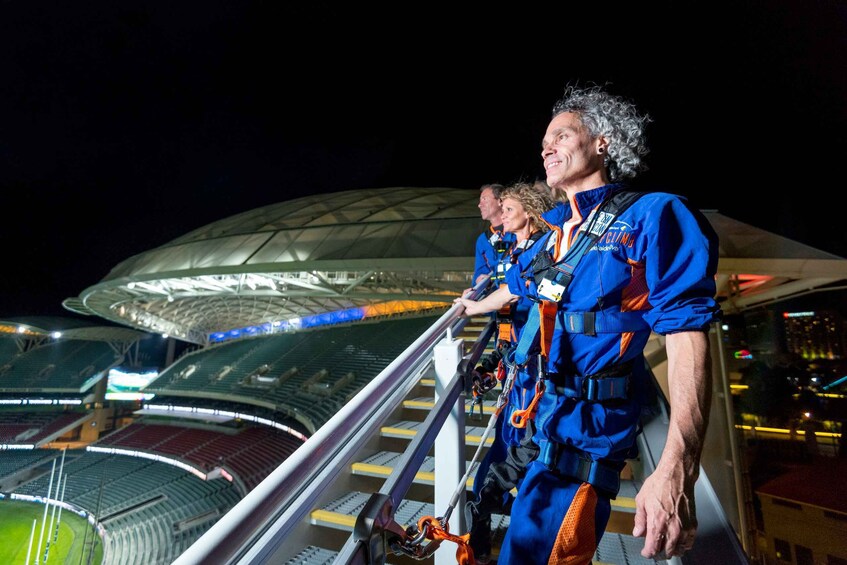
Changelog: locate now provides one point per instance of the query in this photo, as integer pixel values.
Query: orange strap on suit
(547, 311)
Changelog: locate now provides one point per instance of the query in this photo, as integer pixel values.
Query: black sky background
(124, 125)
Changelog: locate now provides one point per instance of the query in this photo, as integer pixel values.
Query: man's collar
(587, 199)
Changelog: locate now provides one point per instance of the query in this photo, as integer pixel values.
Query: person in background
(522, 205)
(651, 270)
(492, 246)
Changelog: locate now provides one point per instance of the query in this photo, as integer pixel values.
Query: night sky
(124, 125)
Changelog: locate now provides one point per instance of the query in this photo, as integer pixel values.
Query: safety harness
(502, 248)
(552, 279)
(486, 378)
(503, 317)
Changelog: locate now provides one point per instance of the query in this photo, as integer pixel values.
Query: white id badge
(550, 290)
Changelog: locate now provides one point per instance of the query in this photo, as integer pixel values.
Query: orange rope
(433, 531)
(521, 417)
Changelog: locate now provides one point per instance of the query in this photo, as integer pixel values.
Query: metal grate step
(621, 549)
(311, 555)
(428, 403)
(408, 429)
(381, 465)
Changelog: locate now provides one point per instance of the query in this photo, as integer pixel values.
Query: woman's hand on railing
(491, 303)
(470, 305)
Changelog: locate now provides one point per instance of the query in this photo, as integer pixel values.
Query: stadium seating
(250, 453)
(349, 356)
(36, 428)
(63, 365)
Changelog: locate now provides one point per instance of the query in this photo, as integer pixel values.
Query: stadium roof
(303, 257)
(395, 248)
(44, 326)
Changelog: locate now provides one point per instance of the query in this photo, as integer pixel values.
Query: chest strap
(592, 389)
(528, 341)
(538, 329)
(575, 464)
(593, 323)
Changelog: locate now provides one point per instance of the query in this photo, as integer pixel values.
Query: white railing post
(449, 445)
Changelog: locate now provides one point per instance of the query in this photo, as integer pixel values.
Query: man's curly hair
(534, 201)
(614, 118)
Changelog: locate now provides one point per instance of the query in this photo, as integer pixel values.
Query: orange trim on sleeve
(634, 297)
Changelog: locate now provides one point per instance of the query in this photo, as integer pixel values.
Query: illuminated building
(816, 334)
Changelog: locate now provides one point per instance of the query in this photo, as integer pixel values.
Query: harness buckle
(600, 389)
(588, 323)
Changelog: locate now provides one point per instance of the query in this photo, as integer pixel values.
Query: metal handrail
(401, 478)
(255, 527)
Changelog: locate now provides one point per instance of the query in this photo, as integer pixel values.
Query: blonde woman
(522, 205)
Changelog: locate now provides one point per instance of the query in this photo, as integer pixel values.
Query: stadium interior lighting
(56, 335)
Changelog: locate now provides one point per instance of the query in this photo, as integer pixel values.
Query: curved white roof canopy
(302, 257)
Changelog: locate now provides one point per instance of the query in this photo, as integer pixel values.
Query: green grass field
(16, 527)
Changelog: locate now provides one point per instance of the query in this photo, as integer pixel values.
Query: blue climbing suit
(505, 434)
(653, 270)
(491, 249)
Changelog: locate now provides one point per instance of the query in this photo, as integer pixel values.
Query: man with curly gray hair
(651, 269)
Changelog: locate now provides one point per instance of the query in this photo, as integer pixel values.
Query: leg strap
(576, 464)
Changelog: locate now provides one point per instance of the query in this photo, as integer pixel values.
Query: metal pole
(740, 499)
(31, 537)
(450, 443)
(44, 520)
(50, 528)
(53, 514)
(84, 538)
(61, 499)
(97, 516)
